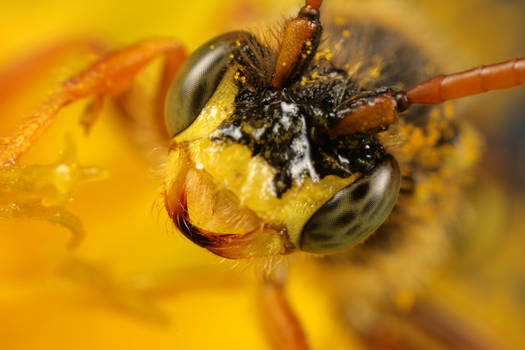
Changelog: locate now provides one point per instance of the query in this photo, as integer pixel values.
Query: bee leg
(282, 326)
(21, 74)
(112, 292)
(143, 117)
(140, 295)
(110, 76)
(437, 322)
(424, 326)
(92, 113)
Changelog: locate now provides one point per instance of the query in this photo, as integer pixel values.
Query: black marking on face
(288, 129)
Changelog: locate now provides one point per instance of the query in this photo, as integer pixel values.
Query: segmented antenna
(377, 113)
(301, 39)
(478, 80)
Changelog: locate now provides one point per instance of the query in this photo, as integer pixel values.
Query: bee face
(226, 198)
(272, 166)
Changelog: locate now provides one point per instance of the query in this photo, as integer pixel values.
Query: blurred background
(135, 283)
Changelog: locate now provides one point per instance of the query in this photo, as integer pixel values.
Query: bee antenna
(301, 39)
(475, 81)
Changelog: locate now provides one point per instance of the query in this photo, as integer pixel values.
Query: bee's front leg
(143, 118)
(109, 77)
(20, 76)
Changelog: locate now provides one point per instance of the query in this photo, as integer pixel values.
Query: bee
(316, 145)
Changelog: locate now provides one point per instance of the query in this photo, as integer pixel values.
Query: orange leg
(108, 77)
(139, 296)
(282, 326)
(144, 118)
(92, 112)
(19, 75)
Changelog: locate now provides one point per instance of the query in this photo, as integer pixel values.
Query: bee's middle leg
(282, 326)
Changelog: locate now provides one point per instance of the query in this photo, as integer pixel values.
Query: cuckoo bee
(276, 151)
(319, 143)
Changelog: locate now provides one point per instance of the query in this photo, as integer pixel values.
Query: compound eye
(198, 79)
(355, 212)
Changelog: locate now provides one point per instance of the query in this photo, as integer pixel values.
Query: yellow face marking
(232, 167)
(213, 114)
(251, 180)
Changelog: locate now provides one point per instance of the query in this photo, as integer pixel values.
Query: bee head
(277, 151)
